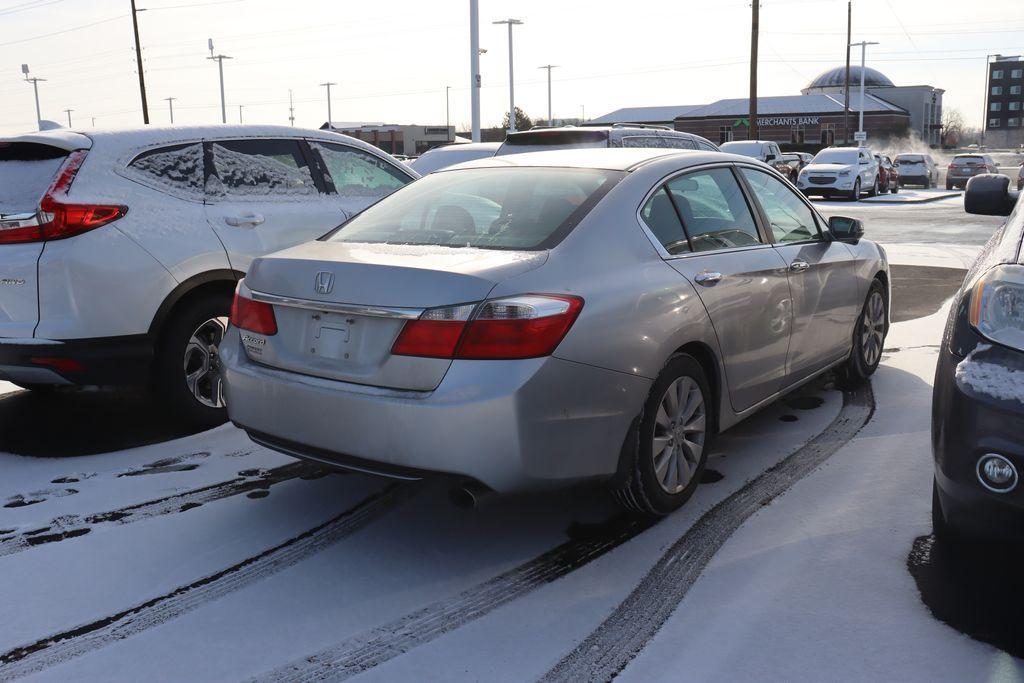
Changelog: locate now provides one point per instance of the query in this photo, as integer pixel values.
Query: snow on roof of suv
(611, 159)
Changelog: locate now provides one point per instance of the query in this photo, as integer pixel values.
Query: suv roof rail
(643, 125)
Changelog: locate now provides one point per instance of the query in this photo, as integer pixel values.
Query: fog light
(996, 473)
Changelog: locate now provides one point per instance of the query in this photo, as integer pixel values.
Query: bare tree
(952, 121)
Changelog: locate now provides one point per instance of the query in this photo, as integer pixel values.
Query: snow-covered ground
(210, 558)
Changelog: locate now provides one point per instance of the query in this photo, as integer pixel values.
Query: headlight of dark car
(997, 306)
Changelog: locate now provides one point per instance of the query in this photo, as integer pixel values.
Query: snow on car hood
(827, 168)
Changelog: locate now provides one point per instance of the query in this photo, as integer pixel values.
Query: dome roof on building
(836, 77)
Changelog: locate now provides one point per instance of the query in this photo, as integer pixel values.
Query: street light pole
(138, 60)
(68, 112)
(863, 52)
(34, 80)
(474, 68)
(447, 107)
(291, 107)
(240, 113)
(755, 23)
(549, 67)
(170, 106)
(220, 65)
(511, 75)
(330, 120)
(846, 90)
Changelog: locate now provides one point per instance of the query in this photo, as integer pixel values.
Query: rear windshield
(486, 208)
(910, 159)
(836, 156)
(541, 140)
(743, 148)
(26, 171)
(962, 161)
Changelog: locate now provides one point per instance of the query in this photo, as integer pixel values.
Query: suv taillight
(525, 326)
(58, 219)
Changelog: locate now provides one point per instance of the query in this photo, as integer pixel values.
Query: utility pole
(94, 122)
(330, 121)
(863, 52)
(846, 96)
(291, 107)
(34, 80)
(474, 68)
(583, 114)
(240, 113)
(447, 107)
(752, 131)
(220, 66)
(511, 75)
(549, 67)
(170, 106)
(138, 60)
(68, 112)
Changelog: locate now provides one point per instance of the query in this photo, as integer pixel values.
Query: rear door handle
(799, 266)
(251, 219)
(707, 278)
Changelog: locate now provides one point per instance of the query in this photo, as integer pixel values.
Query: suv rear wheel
(187, 371)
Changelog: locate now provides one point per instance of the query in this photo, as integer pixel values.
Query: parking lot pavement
(912, 196)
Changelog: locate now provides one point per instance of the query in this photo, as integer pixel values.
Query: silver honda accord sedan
(539, 319)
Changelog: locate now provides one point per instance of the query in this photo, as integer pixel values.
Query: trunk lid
(340, 306)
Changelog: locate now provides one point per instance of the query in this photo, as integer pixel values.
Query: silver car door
(740, 279)
(822, 276)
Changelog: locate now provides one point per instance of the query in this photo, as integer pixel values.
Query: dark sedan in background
(978, 401)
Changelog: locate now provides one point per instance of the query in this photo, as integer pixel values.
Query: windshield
(836, 156)
(744, 148)
(541, 140)
(487, 208)
(26, 171)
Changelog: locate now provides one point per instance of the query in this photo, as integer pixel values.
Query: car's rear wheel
(187, 371)
(673, 440)
(869, 334)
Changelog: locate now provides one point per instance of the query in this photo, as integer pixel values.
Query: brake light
(59, 220)
(254, 316)
(526, 326)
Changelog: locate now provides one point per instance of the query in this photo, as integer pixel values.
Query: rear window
(910, 159)
(540, 140)
(26, 171)
(963, 161)
(747, 149)
(492, 208)
(658, 141)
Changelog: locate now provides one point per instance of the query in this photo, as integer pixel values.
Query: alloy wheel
(872, 331)
(679, 434)
(202, 364)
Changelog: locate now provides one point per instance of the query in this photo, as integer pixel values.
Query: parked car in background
(841, 171)
(888, 174)
(978, 400)
(765, 151)
(796, 164)
(616, 135)
(963, 167)
(917, 169)
(442, 157)
(120, 250)
(523, 349)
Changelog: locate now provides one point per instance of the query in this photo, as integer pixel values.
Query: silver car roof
(611, 159)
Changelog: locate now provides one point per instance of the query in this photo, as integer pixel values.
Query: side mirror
(989, 194)
(845, 228)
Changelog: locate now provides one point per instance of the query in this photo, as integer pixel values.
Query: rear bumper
(510, 425)
(104, 361)
(967, 424)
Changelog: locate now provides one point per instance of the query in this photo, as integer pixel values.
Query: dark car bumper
(106, 361)
(966, 425)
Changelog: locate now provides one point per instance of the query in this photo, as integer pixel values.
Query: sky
(393, 59)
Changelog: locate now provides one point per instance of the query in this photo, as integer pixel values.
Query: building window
(993, 123)
(1014, 89)
(724, 134)
(1017, 73)
(1013, 123)
(1014, 106)
(997, 74)
(797, 135)
(828, 134)
(995, 106)
(997, 90)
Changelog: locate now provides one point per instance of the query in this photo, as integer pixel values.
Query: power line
(27, 6)
(60, 33)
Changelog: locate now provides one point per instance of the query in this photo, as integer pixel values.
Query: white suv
(120, 250)
(844, 171)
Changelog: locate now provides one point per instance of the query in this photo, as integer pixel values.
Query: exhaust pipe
(469, 494)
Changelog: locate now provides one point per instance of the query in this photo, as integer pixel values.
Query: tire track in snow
(364, 651)
(61, 647)
(73, 526)
(604, 653)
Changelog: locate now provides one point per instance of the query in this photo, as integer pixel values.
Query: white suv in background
(843, 171)
(120, 250)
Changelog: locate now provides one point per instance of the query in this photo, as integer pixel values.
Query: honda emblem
(324, 282)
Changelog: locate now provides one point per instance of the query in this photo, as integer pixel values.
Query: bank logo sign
(779, 121)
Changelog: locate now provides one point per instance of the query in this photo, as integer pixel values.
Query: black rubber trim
(224, 275)
(123, 360)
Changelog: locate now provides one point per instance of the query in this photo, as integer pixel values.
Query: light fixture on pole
(170, 106)
(34, 80)
(330, 119)
(511, 75)
(68, 112)
(863, 52)
(549, 67)
(220, 65)
(474, 68)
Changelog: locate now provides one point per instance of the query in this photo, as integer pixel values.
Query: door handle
(252, 219)
(799, 266)
(707, 278)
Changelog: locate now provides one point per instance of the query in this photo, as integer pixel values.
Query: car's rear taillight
(525, 326)
(58, 219)
(254, 316)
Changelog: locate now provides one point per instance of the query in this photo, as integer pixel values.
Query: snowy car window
(259, 169)
(658, 141)
(178, 168)
(358, 174)
(714, 212)
(791, 220)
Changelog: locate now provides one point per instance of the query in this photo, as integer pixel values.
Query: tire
(873, 192)
(855, 193)
(199, 326)
(895, 188)
(661, 481)
(869, 335)
(949, 185)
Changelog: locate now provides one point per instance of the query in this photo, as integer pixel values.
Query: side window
(356, 173)
(178, 168)
(791, 220)
(706, 146)
(661, 217)
(714, 211)
(259, 169)
(659, 141)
